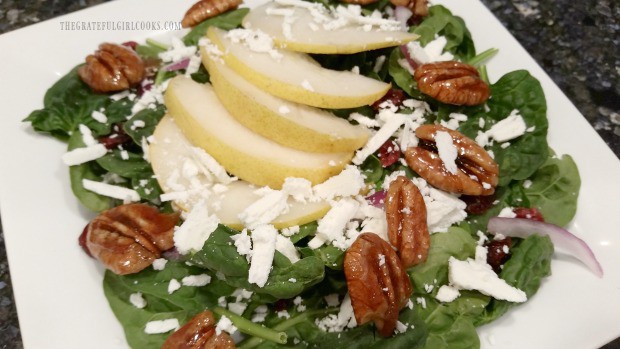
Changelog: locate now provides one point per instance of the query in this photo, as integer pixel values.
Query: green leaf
(150, 117)
(529, 264)
(555, 189)
(88, 170)
(227, 21)
(134, 166)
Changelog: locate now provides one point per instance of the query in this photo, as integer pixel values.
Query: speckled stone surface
(576, 42)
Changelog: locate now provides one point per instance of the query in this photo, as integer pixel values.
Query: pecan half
(205, 9)
(112, 68)
(405, 211)
(477, 172)
(418, 7)
(378, 283)
(452, 82)
(128, 238)
(199, 333)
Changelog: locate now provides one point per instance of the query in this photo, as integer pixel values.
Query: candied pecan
(378, 283)
(405, 212)
(205, 9)
(418, 7)
(199, 333)
(498, 252)
(477, 173)
(112, 68)
(128, 238)
(452, 82)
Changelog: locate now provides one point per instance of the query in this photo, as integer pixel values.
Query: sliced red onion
(377, 199)
(182, 64)
(561, 238)
(402, 14)
(172, 254)
(412, 62)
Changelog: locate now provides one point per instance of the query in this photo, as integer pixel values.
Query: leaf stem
(285, 325)
(157, 44)
(483, 57)
(483, 73)
(248, 327)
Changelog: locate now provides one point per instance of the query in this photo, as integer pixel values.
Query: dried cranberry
(389, 153)
(478, 204)
(116, 138)
(395, 96)
(281, 304)
(528, 213)
(144, 88)
(131, 44)
(82, 241)
(498, 252)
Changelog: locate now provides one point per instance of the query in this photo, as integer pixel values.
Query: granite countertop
(576, 42)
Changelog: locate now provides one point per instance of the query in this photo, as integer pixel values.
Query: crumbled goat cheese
(443, 210)
(299, 188)
(432, 52)
(195, 230)
(332, 300)
(177, 51)
(81, 155)
(237, 307)
(243, 243)
(507, 212)
(332, 225)
(173, 286)
(210, 166)
(264, 247)
(161, 326)
(265, 209)
(87, 135)
(290, 231)
(196, 280)
(255, 40)
(347, 183)
(99, 116)
(260, 313)
(508, 128)
(376, 141)
(337, 323)
(112, 191)
(473, 275)
(454, 120)
(447, 294)
(225, 325)
(285, 246)
(159, 263)
(527, 184)
(137, 300)
(447, 151)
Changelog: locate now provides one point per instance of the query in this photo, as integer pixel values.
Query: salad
(305, 300)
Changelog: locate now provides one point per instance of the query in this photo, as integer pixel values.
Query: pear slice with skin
(297, 29)
(208, 125)
(294, 76)
(169, 153)
(291, 124)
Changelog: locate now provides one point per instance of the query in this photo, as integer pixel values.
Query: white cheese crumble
(264, 247)
(137, 300)
(225, 325)
(508, 128)
(161, 326)
(331, 226)
(196, 280)
(159, 263)
(243, 243)
(473, 275)
(87, 135)
(337, 323)
(447, 294)
(260, 313)
(113, 191)
(173, 286)
(442, 209)
(195, 230)
(349, 182)
(507, 212)
(177, 51)
(432, 52)
(285, 246)
(381, 136)
(99, 116)
(447, 151)
(265, 209)
(298, 188)
(255, 40)
(307, 86)
(81, 155)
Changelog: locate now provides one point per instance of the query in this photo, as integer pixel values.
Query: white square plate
(58, 289)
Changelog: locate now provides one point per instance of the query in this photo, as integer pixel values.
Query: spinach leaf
(442, 22)
(401, 76)
(455, 242)
(555, 189)
(181, 304)
(521, 91)
(331, 256)
(89, 170)
(529, 263)
(150, 117)
(227, 21)
(220, 255)
(134, 166)
(68, 103)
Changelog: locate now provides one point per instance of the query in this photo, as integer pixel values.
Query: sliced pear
(295, 76)
(297, 29)
(242, 152)
(291, 124)
(168, 154)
